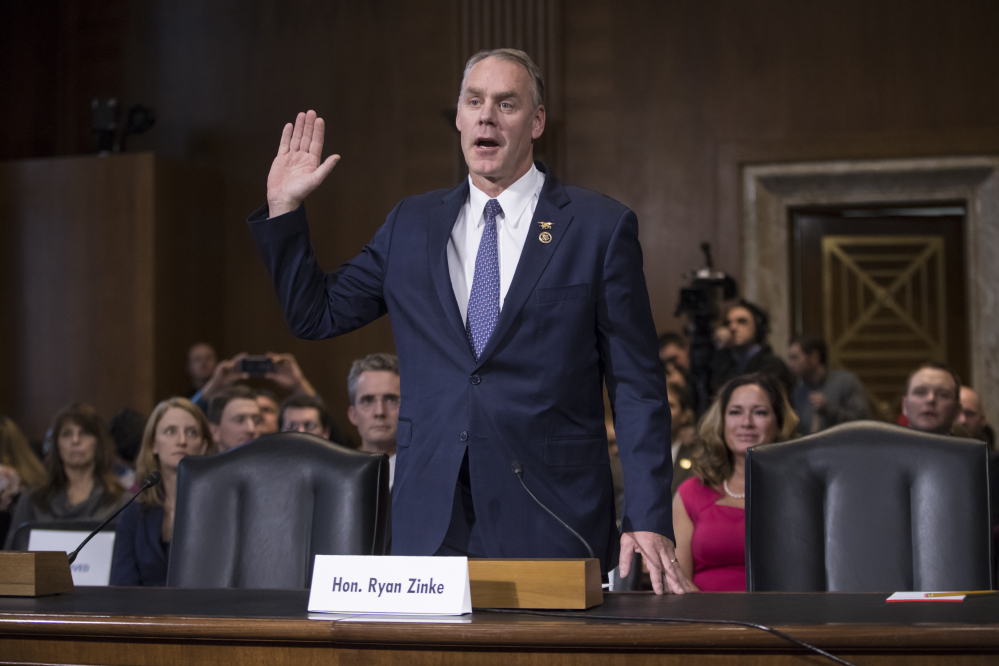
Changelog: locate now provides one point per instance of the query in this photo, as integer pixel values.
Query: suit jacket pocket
(552, 294)
(404, 435)
(574, 451)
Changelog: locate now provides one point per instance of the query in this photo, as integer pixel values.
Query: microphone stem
(552, 514)
(72, 557)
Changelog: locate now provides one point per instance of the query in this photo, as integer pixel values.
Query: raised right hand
(298, 170)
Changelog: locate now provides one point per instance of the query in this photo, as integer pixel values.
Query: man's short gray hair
(514, 56)
(380, 362)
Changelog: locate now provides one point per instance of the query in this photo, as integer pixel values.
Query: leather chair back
(868, 507)
(256, 516)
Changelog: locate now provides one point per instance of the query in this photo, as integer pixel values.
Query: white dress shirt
(512, 226)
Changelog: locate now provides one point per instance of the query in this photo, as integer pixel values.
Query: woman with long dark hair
(80, 484)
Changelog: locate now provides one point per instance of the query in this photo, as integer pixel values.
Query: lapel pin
(545, 237)
(545, 225)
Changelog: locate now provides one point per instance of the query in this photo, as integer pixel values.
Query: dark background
(655, 103)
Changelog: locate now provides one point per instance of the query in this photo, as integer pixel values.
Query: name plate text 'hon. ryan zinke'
(390, 584)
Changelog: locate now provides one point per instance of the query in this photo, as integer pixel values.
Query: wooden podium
(34, 574)
(572, 584)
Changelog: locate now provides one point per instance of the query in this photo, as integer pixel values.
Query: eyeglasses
(366, 403)
(305, 426)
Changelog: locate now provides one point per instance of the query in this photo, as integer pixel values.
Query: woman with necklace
(709, 510)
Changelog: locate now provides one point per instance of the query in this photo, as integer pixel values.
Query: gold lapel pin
(545, 237)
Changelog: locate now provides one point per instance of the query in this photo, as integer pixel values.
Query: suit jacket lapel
(438, 234)
(534, 257)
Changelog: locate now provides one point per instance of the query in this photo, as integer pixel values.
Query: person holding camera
(282, 369)
(747, 350)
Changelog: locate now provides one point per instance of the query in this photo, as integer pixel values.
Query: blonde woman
(176, 429)
(20, 469)
(709, 509)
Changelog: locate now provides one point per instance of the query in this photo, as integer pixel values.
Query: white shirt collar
(513, 200)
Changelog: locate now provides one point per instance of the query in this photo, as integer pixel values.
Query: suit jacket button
(476, 380)
(463, 436)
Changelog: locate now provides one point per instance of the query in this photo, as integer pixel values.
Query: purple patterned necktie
(483, 301)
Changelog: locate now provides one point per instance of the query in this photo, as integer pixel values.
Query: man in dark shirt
(748, 350)
(823, 397)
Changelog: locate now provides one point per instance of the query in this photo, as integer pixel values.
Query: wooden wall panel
(662, 103)
(665, 101)
(225, 82)
(82, 290)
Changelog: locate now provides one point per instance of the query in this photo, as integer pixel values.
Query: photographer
(282, 369)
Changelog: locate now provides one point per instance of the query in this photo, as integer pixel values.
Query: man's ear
(538, 123)
(215, 432)
(352, 415)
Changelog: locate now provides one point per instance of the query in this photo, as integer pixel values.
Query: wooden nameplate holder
(34, 574)
(550, 583)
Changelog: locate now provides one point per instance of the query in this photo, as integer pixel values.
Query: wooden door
(885, 290)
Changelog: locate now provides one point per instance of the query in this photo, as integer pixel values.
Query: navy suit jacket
(577, 313)
(139, 557)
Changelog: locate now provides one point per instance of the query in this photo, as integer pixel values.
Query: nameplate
(92, 565)
(390, 584)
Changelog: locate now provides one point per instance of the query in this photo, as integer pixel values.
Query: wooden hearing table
(221, 627)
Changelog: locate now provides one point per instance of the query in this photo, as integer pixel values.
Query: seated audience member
(20, 470)
(673, 348)
(681, 418)
(201, 361)
(373, 388)
(234, 418)
(822, 397)
(177, 428)
(305, 413)
(931, 398)
(80, 482)
(972, 418)
(709, 510)
(674, 354)
(126, 429)
(747, 350)
(267, 402)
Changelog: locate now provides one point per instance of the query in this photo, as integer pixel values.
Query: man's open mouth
(486, 143)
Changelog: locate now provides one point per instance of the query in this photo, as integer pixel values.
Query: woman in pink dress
(709, 509)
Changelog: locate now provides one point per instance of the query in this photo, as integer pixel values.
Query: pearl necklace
(730, 493)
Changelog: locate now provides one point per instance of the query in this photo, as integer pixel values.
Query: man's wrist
(277, 208)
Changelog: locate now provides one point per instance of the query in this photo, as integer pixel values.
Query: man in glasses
(308, 414)
(373, 388)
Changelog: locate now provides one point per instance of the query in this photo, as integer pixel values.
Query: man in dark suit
(512, 297)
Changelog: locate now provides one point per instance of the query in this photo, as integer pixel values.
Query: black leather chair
(22, 535)
(256, 516)
(868, 507)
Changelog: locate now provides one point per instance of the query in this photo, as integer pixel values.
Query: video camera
(699, 302)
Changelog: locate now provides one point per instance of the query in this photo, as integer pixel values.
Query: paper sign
(922, 596)
(92, 566)
(390, 584)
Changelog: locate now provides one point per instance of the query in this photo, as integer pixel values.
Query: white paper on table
(921, 596)
(398, 585)
(92, 565)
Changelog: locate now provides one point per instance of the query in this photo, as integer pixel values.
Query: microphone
(518, 469)
(151, 480)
